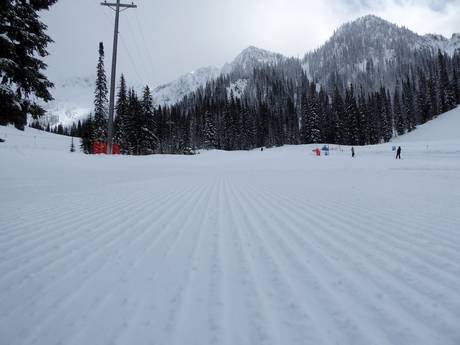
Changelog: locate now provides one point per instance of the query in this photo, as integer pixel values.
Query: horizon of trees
(279, 106)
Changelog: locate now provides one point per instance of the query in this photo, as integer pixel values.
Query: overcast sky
(163, 39)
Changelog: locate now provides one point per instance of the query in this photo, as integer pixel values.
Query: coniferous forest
(280, 106)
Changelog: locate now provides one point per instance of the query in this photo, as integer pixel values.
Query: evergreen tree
(364, 122)
(311, 116)
(447, 96)
(72, 146)
(228, 123)
(456, 86)
(87, 135)
(352, 118)
(122, 117)
(305, 122)
(424, 109)
(409, 105)
(292, 124)
(398, 114)
(100, 100)
(23, 43)
(148, 138)
(388, 113)
(433, 96)
(338, 114)
(314, 115)
(210, 133)
(134, 125)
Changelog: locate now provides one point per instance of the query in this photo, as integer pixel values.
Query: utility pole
(116, 7)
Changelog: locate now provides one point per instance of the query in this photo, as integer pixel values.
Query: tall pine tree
(148, 128)
(100, 100)
(122, 117)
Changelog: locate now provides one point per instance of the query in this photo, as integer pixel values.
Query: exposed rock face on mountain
(250, 58)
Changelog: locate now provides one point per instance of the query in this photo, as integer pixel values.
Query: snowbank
(32, 140)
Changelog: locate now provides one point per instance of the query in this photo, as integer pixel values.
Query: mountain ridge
(331, 58)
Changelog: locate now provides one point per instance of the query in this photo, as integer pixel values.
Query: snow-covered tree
(72, 146)
(100, 100)
(122, 117)
(148, 128)
(23, 42)
(210, 132)
(400, 122)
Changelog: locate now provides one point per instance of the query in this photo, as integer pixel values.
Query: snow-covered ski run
(274, 247)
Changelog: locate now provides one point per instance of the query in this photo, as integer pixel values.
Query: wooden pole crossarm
(121, 5)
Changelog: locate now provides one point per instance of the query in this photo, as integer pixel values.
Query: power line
(147, 46)
(130, 57)
(140, 51)
(125, 49)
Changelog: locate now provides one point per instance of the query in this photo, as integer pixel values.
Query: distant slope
(73, 101)
(445, 127)
(33, 139)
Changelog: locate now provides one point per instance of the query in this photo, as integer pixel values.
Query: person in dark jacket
(352, 152)
(398, 153)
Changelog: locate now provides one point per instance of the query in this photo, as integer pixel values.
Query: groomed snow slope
(273, 247)
(444, 128)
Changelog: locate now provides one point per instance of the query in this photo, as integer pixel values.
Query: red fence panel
(116, 149)
(99, 148)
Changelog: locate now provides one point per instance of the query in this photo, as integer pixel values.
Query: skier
(398, 153)
(352, 152)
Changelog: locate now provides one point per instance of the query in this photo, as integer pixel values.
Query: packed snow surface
(273, 247)
(444, 128)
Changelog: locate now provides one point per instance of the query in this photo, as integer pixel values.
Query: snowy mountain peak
(251, 57)
(373, 27)
(371, 19)
(174, 91)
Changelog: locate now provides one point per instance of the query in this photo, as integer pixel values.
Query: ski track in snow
(273, 247)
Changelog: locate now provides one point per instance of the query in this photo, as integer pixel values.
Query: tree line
(279, 106)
